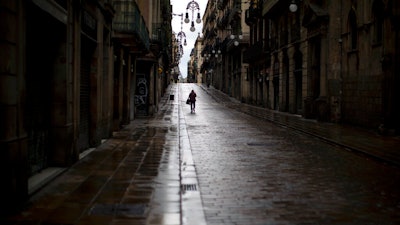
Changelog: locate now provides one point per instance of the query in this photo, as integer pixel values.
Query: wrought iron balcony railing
(223, 21)
(221, 4)
(129, 20)
(251, 15)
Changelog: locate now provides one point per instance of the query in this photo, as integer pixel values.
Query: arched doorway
(298, 78)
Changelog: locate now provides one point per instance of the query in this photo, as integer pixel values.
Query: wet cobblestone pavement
(252, 171)
(132, 178)
(218, 166)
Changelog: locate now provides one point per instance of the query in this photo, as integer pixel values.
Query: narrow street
(252, 171)
(297, 119)
(217, 166)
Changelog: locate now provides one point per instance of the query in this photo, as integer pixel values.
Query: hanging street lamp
(192, 6)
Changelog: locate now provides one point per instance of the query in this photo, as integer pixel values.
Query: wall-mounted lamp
(213, 53)
(261, 76)
(233, 37)
(216, 53)
(293, 6)
(266, 74)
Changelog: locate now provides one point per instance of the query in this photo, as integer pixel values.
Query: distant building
(196, 60)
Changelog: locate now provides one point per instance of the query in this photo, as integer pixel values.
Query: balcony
(62, 3)
(213, 33)
(130, 26)
(252, 14)
(211, 17)
(230, 43)
(234, 14)
(160, 39)
(222, 4)
(268, 5)
(206, 33)
(166, 10)
(205, 50)
(223, 22)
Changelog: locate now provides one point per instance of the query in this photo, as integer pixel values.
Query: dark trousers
(192, 105)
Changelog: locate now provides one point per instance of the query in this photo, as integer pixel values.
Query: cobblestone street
(218, 166)
(252, 171)
(200, 112)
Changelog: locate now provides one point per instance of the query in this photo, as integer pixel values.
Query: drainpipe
(396, 68)
(397, 79)
(339, 98)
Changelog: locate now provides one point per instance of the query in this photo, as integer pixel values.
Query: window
(295, 27)
(377, 18)
(283, 32)
(267, 34)
(261, 30)
(353, 30)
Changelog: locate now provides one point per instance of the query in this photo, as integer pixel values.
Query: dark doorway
(87, 49)
(275, 83)
(44, 36)
(298, 75)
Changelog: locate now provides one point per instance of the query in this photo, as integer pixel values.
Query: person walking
(192, 98)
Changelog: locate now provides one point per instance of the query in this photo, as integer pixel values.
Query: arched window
(283, 31)
(377, 18)
(353, 30)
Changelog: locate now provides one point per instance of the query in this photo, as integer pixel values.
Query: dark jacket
(192, 96)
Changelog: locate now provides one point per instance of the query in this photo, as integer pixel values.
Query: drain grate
(260, 144)
(118, 209)
(189, 187)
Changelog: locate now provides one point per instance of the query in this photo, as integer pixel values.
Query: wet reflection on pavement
(132, 178)
(252, 171)
(216, 166)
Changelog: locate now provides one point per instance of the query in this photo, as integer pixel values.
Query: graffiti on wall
(142, 94)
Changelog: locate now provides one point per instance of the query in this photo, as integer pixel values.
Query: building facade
(225, 37)
(325, 60)
(69, 78)
(195, 60)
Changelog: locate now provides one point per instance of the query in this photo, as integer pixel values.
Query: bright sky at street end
(179, 7)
